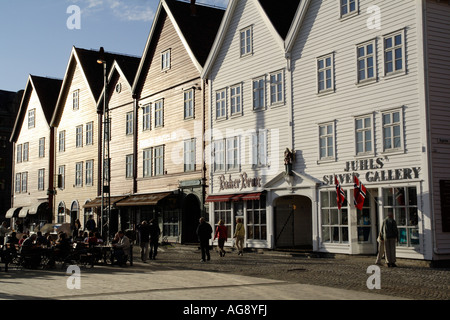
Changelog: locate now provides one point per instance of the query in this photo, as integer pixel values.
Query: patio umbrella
(48, 227)
(65, 227)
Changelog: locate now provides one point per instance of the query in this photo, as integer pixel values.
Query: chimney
(193, 9)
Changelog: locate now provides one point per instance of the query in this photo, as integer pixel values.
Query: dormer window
(246, 41)
(31, 118)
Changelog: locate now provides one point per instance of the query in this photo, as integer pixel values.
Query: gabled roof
(47, 90)
(92, 72)
(196, 26)
(281, 14)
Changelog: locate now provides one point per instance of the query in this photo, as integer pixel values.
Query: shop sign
(239, 183)
(375, 172)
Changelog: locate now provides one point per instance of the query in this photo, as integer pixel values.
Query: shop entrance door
(191, 216)
(293, 222)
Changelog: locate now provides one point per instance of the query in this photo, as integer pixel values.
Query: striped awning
(234, 197)
(12, 213)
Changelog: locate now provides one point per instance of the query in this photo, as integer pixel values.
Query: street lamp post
(106, 172)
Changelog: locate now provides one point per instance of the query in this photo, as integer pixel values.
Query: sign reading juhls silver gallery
(374, 173)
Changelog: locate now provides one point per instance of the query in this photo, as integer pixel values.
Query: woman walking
(221, 235)
(239, 235)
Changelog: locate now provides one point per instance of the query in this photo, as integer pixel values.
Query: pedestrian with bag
(204, 233)
(221, 235)
(239, 236)
(389, 234)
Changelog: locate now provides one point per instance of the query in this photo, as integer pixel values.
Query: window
(326, 141)
(79, 174)
(258, 94)
(236, 99)
(366, 62)
(89, 173)
(24, 182)
(219, 155)
(129, 123)
(392, 126)
(75, 99)
(31, 118)
(89, 133)
(221, 106)
(364, 140)
(276, 88)
(106, 172)
(232, 155)
(41, 147)
(61, 177)
(364, 222)
(170, 223)
(79, 136)
(61, 212)
(62, 141)
(246, 41)
(402, 202)
(18, 183)
(158, 160)
(19, 153)
(146, 119)
(189, 155)
(159, 113)
(165, 60)
(325, 73)
(334, 221)
(259, 148)
(41, 175)
(147, 162)
(26, 149)
(188, 104)
(257, 219)
(222, 211)
(348, 7)
(394, 53)
(129, 166)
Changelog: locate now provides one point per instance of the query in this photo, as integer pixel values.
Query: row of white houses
(349, 87)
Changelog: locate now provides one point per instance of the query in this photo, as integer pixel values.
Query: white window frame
(147, 159)
(24, 182)
(129, 166)
(232, 154)
(89, 172)
(325, 137)
(246, 41)
(391, 126)
(19, 153)
(79, 136)
(129, 123)
(159, 113)
(62, 141)
(347, 6)
(166, 60)
(76, 99)
(31, 118)
(363, 131)
(26, 152)
(323, 69)
(158, 160)
(236, 99)
(276, 81)
(42, 147)
(79, 174)
(219, 155)
(221, 104)
(365, 58)
(259, 148)
(259, 93)
(146, 117)
(189, 155)
(394, 50)
(62, 173)
(41, 178)
(188, 103)
(90, 133)
(18, 183)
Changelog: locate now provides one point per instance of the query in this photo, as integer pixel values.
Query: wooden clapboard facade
(32, 136)
(171, 118)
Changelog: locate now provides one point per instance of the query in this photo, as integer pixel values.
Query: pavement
(178, 274)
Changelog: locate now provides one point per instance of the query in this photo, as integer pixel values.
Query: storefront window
(222, 211)
(170, 223)
(364, 222)
(257, 219)
(334, 221)
(403, 202)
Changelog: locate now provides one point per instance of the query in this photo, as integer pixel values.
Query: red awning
(233, 197)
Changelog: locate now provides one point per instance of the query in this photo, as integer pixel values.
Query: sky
(37, 36)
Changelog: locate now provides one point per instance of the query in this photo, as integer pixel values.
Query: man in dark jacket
(144, 238)
(155, 231)
(204, 232)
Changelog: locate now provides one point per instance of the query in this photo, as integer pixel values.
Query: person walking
(155, 232)
(389, 234)
(221, 235)
(144, 238)
(4, 230)
(239, 236)
(204, 232)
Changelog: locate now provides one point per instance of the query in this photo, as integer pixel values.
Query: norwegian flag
(359, 193)
(340, 194)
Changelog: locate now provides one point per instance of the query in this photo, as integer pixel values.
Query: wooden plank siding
(230, 69)
(70, 119)
(169, 86)
(438, 72)
(34, 162)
